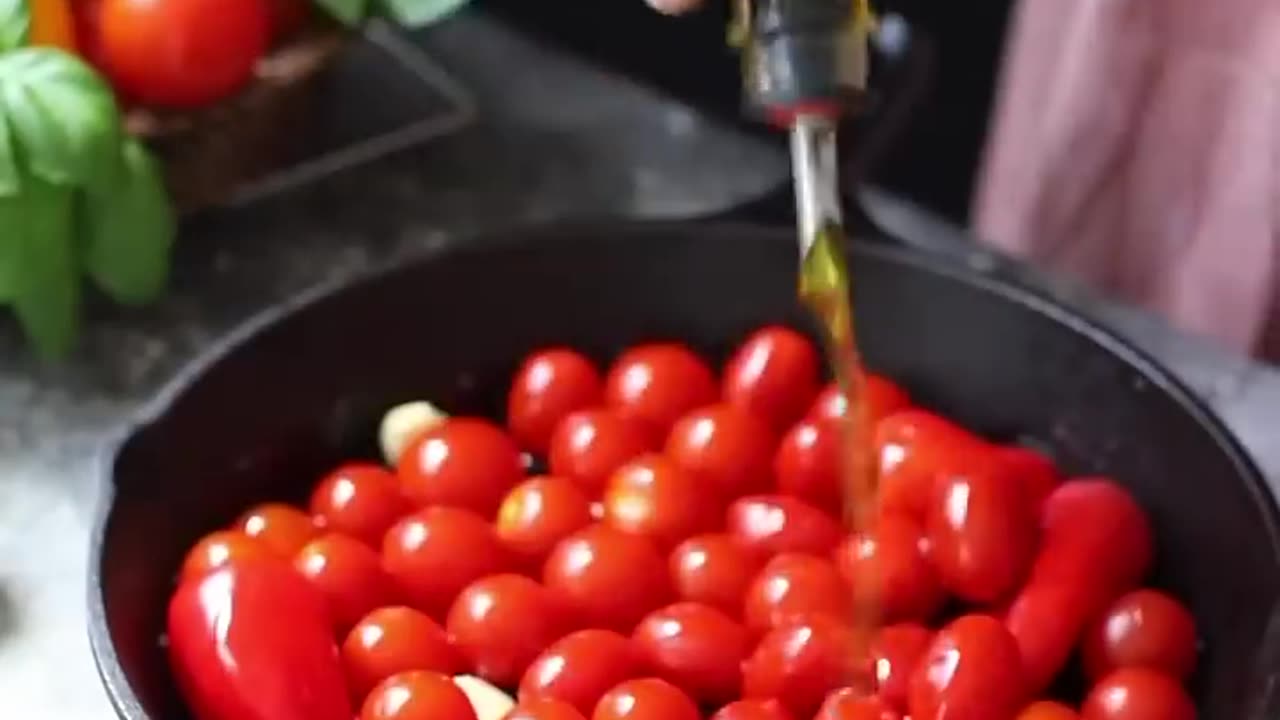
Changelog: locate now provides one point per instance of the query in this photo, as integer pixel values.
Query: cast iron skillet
(302, 388)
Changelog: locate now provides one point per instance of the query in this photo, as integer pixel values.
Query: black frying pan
(302, 388)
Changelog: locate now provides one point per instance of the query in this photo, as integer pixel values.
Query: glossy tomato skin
(221, 548)
(283, 528)
(462, 462)
(359, 499)
(1144, 628)
(697, 648)
(436, 552)
(772, 524)
(801, 662)
(589, 445)
(807, 463)
(544, 709)
(417, 695)
(646, 699)
(549, 385)
(895, 653)
(887, 569)
(1047, 710)
(726, 448)
(393, 640)
(774, 375)
(793, 586)
(884, 397)
(255, 640)
(753, 710)
(914, 446)
(581, 667)
(180, 53)
(1046, 620)
(657, 383)
(540, 512)
(848, 704)
(501, 623)
(715, 570)
(349, 575)
(1138, 694)
(971, 671)
(611, 579)
(654, 497)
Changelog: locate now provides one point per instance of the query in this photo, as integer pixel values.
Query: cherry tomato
(436, 552)
(800, 663)
(221, 548)
(361, 500)
(646, 699)
(888, 570)
(609, 577)
(547, 387)
(696, 647)
(1138, 694)
(659, 382)
(771, 524)
(971, 670)
(540, 512)
(1145, 628)
(654, 497)
(1046, 620)
(1031, 468)
(715, 570)
(982, 533)
(793, 586)
(544, 709)
(417, 695)
(773, 375)
(913, 447)
(283, 528)
(464, 462)
(725, 447)
(581, 667)
(1047, 710)
(348, 574)
(883, 398)
(502, 622)
(895, 653)
(807, 463)
(393, 640)
(52, 24)
(753, 710)
(181, 53)
(589, 445)
(848, 704)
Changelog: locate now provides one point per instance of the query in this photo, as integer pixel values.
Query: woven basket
(207, 154)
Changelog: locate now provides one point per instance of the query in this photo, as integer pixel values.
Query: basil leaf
(347, 12)
(15, 24)
(46, 292)
(10, 179)
(419, 13)
(63, 116)
(128, 230)
(11, 224)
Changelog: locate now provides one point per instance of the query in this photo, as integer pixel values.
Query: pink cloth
(1136, 145)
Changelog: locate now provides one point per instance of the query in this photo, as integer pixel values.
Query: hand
(674, 7)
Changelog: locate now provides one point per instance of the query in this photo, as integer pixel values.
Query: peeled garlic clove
(404, 422)
(489, 702)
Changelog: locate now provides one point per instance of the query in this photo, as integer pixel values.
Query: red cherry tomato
(773, 375)
(540, 512)
(807, 463)
(589, 445)
(436, 552)
(646, 699)
(547, 387)
(771, 524)
(502, 622)
(753, 710)
(544, 709)
(283, 528)
(1047, 710)
(254, 640)
(888, 570)
(800, 663)
(883, 398)
(417, 695)
(181, 53)
(696, 647)
(895, 653)
(1145, 628)
(725, 447)
(393, 640)
(847, 704)
(349, 575)
(981, 532)
(715, 570)
(794, 586)
(464, 462)
(913, 447)
(971, 671)
(1046, 620)
(1138, 694)
(659, 382)
(580, 668)
(361, 500)
(611, 578)
(221, 548)
(1033, 470)
(654, 497)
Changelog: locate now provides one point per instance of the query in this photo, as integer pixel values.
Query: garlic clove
(489, 702)
(404, 422)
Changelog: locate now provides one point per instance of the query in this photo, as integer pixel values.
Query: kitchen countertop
(555, 138)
